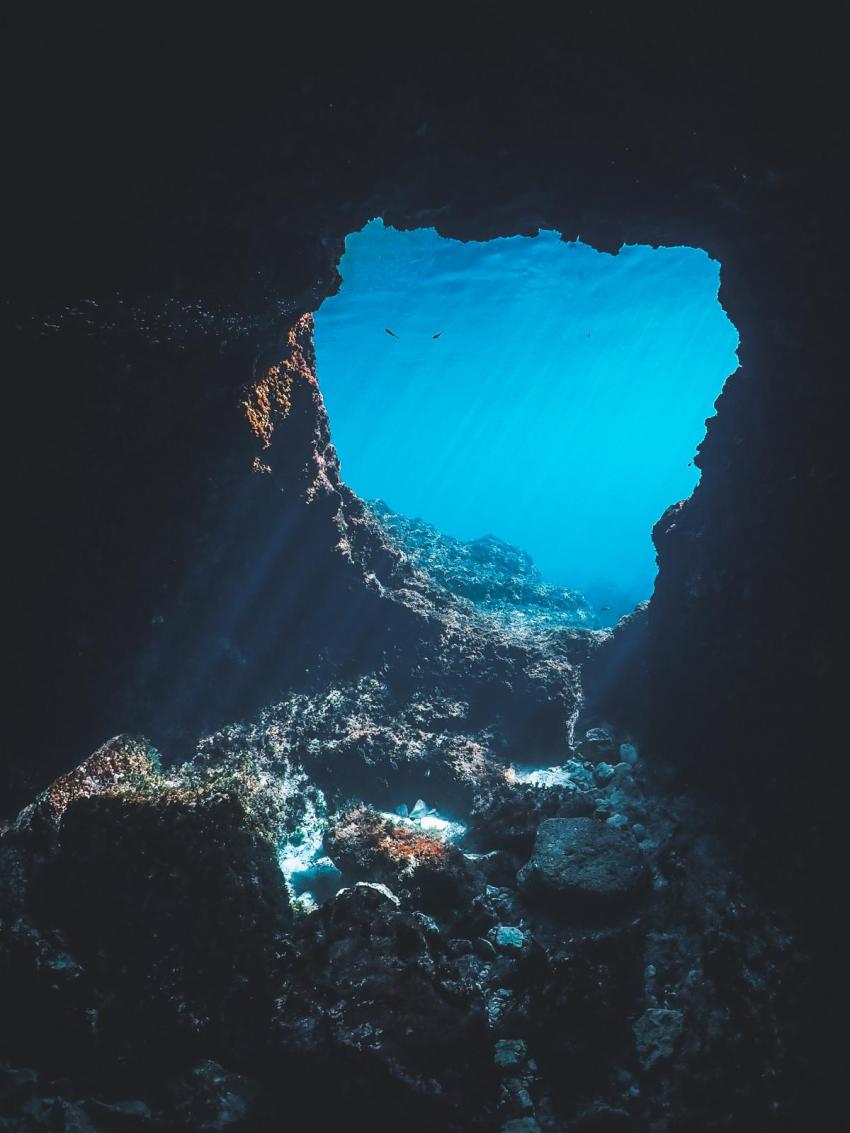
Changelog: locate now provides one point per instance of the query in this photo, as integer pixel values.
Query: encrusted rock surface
(148, 910)
(585, 867)
(497, 577)
(430, 872)
(156, 974)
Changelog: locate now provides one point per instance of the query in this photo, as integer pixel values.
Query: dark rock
(484, 948)
(599, 1117)
(614, 675)
(657, 1034)
(16, 1083)
(170, 906)
(502, 901)
(584, 868)
(509, 816)
(510, 1055)
(39, 1106)
(618, 822)
(14, 880)
(50, 1015)
(578, 991)
(458, 947)
(515, 1097)
(603, 773)
(71, 1117)
(496, 867)
(521, 1125)
(379, 1009)
(211, 1099)
(599, 745)
(127, 1115)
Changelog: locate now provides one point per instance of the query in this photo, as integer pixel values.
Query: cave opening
(526, 388)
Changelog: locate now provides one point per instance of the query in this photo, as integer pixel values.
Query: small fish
(602, 609)
(391, 332)
(439, 333)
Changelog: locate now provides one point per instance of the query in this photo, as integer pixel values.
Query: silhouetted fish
(436, 335)
(392, 332)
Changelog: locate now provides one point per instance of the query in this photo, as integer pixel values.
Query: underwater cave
(424, 465)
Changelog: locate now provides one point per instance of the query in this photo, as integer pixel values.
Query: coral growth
(375, 842)
(269, 399)
(149, 955)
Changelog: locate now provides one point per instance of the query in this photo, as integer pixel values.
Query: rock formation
(170, 475)
(155, 973)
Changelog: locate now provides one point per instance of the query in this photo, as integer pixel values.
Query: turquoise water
(559, 408)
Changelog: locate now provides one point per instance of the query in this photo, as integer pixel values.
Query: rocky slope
(593, 963)
(495, 576)
(408, 887)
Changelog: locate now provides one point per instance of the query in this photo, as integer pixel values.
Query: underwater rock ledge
(319, 590)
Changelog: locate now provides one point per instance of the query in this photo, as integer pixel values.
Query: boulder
(657, 1034)
(509, 816)
(211, 1099)
(521, 1125)
(510, 1055)
(366, 846)
(508, 939)
(584, 867)
(599, 744)
(603, 773)
(169, 895)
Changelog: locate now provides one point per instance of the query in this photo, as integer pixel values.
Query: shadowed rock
(158, 901)
(510, 816)
(585, 868)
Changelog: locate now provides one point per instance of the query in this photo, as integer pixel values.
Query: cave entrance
(527, 388)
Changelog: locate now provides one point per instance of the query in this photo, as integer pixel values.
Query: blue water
(560, 407)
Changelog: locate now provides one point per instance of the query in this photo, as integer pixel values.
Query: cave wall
(186, 202)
